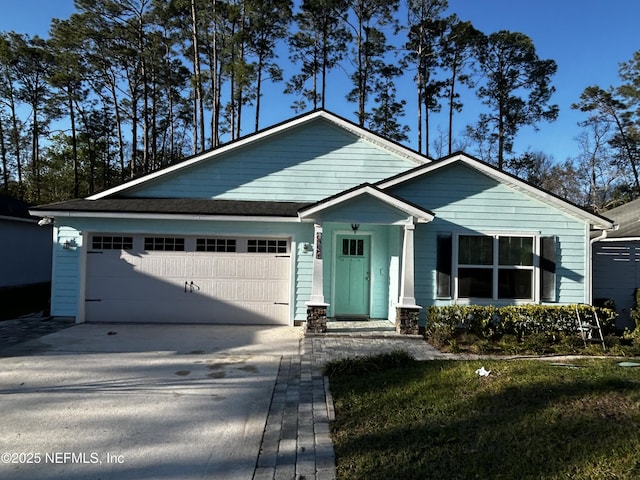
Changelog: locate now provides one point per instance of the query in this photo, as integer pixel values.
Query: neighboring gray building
(616, 261)
(25, 246)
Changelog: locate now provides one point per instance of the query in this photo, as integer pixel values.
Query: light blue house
(310, 218)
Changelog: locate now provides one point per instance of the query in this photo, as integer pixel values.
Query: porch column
(407, 293)
(407, 312)
(316, 307)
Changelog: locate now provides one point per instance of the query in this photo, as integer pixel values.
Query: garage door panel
(189, 287)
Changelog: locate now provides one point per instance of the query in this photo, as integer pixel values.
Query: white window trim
(496, 267)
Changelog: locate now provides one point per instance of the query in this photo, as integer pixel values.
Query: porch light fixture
(70, 244)
(355, 227)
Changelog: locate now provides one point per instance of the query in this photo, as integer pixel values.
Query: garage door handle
(281, 303)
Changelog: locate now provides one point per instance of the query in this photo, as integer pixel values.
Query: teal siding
(307, 163)
(66, 287)
(65, 284)
(364, 209)
(464, 199)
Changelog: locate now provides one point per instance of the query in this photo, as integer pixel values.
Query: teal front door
(352, 275)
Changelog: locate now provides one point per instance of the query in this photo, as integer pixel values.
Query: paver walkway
(296, 443)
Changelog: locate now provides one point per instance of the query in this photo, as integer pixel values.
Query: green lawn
(527, 420)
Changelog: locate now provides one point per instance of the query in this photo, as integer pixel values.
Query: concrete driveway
(139, 401)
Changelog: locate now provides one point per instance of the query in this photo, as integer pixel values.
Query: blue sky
(587, 38)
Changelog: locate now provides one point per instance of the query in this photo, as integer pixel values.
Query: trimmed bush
(634, 335)
(493, 323)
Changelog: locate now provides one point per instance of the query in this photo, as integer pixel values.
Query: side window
(475, 266)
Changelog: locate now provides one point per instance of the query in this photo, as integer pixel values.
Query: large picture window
(496, 267)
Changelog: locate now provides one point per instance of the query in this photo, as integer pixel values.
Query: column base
(407, 317)
(316, 318)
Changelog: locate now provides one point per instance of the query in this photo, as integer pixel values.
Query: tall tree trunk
(145, 98)
(451, 105)
(258, 92)
(15, 137)
(134, 134)
(198, 80)
(215, 78)
(116, 111)
(35, 153)
(74, 143)
(3, 155)
(419, 104)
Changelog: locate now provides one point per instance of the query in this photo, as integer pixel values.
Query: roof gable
(318, 154)
(367, 203)
(501, 177)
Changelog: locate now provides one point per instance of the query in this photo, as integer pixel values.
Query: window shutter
(443, 265)
(548, 269)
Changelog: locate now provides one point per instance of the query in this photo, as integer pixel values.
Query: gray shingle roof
(627, 216)
(176, 206)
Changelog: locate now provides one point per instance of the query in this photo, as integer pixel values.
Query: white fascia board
(165, 216)
(542, 195)
(206, 155)
(360, 132)
(418, 172)
(371, 137)
(508, 180)
(619, 239)
(420, 215)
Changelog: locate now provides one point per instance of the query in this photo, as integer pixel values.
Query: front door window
(352, 247)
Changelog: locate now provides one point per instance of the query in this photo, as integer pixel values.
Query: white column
(317, 295)
(407, 293)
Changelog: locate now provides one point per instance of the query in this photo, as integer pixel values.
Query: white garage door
(188, 279)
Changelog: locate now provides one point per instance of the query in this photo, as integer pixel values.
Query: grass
(527, 420)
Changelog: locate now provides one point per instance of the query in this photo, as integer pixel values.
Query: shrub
(367, 364)
(634, 335)
(534, 325)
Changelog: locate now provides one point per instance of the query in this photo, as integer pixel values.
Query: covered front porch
(363, 259)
